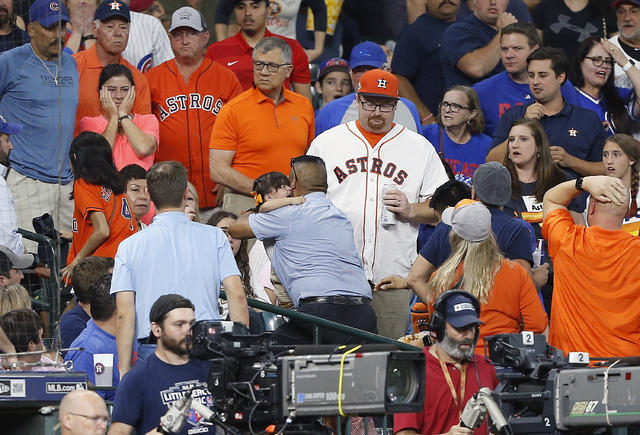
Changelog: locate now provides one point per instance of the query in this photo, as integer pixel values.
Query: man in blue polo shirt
(471, 46)
(42, 96)
(576, 135)
(315, 257)
(510, 88)
(365, 56)
(416, 59)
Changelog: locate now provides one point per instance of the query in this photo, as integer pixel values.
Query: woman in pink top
(134, 138)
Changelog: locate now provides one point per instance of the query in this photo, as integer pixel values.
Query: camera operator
(452, 372)
(597, 278)
(150, 387)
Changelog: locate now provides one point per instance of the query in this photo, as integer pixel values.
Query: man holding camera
(453, 375)
(147, 391)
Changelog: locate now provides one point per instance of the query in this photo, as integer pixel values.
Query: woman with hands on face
(592, 75)
(133, 137)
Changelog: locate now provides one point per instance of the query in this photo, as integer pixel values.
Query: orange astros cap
(378, 83)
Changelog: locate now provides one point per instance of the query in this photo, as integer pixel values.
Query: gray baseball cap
(492, 183)
(18, 261)
(470, 219)
(187, 17)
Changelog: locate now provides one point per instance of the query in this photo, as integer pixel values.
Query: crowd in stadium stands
(477, 160)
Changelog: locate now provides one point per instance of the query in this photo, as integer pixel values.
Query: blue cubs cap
(9, 127)
(461, 312)
(48, 12)
(112, 8)
(630, 2)
(331, 65)
(369, 54)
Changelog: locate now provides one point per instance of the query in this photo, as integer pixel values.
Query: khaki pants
(236, 203)
(34, 198)
(392, 311)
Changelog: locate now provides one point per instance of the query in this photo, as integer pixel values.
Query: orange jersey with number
(187, 112)
(90, 198)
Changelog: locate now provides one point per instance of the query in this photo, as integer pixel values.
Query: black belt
(342, 300)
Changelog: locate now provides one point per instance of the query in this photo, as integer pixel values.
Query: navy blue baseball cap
(48, 12)
(631, 2)
(461, 312)
(369, 54)
(9, 127)
(112, 8)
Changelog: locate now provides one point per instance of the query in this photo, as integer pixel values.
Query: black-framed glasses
(271, 67)
(95, 419)
(454, 107)
(599, 60)
(371, 107)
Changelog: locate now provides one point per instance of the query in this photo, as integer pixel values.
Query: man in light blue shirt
(39, 89)
(172, 255)
(314, 256)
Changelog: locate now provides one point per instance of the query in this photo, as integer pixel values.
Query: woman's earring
(469, 121)
(538, 156)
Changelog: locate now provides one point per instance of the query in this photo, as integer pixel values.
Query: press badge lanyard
(463, 383)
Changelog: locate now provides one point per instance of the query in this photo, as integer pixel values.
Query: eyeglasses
(371, 107)
(599, 60)
(293, 166)
(95, 419)
(454, 107)
(271, 67)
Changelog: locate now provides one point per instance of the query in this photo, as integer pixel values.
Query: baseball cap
(18, 261)
(492, 183)
(331, 65)
(47, 12)
(461, 312)
(9, 127)
(166, 303)
(187, 17)
(470, 220)
(139, 5)
(378, 83)
(112, 8)
(367, 53)
(619, 2)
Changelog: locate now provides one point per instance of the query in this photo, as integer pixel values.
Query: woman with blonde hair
(13, 297)
(509, 300)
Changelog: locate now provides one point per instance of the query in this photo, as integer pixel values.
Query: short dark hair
(92, 161)
(88, 270)
(449, 194)
(318, 181)
(559, 61)
(103, 303)
(21, 327)
(166, 303)
(526, 29)
(167, 182)
(133, 172)
(114, 70)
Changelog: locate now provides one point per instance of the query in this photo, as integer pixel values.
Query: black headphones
(439, 317)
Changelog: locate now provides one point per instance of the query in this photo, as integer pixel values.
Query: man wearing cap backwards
(333, 80)
(261, 129)
(491, 186)
(364, 57)
(187, 94)
(9, 235)
(452, 374)
(148, 43)
(363, 158)
(236, 52)
(628, 14)
(111, 29)
(597, 279)
(39, 89)
(155, 384)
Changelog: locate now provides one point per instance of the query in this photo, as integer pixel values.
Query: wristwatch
(579, 184)
(129, 117)
(87, 37)
(627, 66)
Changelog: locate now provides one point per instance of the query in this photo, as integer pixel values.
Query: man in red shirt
(235, 52)
(452, 372)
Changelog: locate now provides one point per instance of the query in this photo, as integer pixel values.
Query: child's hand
(295, 200)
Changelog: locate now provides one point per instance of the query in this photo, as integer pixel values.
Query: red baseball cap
(378, 83)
